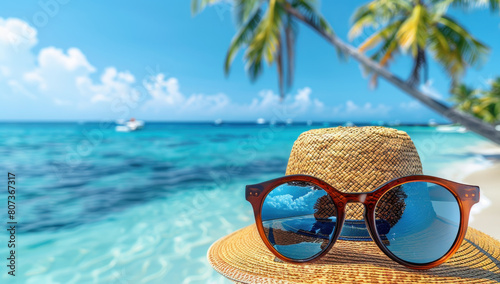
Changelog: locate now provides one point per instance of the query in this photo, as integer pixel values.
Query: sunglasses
(418, 221)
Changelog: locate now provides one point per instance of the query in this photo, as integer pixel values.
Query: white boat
(261, 121)
(218, 121)
(131, 125)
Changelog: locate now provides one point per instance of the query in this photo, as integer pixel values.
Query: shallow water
(97, 206)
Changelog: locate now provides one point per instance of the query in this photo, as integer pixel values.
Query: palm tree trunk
(470, 122)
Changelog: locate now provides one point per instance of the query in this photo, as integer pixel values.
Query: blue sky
(94, 60)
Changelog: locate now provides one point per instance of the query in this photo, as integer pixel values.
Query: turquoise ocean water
(98, 206)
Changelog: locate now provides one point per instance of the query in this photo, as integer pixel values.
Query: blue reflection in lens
(424, 221)
(299, 219)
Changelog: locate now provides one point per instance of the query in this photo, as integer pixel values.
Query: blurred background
(133, 128)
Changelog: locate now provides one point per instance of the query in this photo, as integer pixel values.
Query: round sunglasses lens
(418, 221)
(299, 219)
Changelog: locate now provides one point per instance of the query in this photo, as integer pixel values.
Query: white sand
(488, 217)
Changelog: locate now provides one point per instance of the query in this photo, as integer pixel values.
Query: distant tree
(484, 104)
(464, 97)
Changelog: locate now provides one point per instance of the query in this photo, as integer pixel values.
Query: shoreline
(486, 216)
(482, 168)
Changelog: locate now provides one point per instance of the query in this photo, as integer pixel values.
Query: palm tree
(419, 28)
(266, 34)
(262, 24)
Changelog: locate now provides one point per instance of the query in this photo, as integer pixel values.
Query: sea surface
(98, 206)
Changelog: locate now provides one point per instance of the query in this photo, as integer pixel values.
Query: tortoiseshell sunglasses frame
(466, 196)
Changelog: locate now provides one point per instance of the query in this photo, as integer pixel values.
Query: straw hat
(353, 159)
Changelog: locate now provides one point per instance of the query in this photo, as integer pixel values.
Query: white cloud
(17, 34)
(268, 99)
(164, 92)
(66, 79)
(57, 72)
(351, 106)
(294, 105)
(167, 98)
(412, 105)
(210, 103)
(113, 85)
(55, 75)
(351, 109)
(16, 40)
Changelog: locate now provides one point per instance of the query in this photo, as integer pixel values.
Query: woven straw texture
(243, 257)
(354, 159)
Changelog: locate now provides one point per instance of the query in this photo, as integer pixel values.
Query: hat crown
(354, 159)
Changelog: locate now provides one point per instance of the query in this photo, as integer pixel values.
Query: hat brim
(243, 257)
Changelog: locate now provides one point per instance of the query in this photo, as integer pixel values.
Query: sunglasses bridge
(355, 197)
(355, 229)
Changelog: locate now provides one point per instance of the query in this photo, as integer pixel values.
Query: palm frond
(264, 43)
(244, 9)
(495, 87)
(363, 17)
(440, 7)
(472, 49)
(464, 97)
(311, 13)
(442, 46)
(413, 32)
(464, 49)
(384, 55)
(242, 38)
(493, 5)
(483, 104)
(198, 5)
(377, 13)
(379, 36)
(438, 42)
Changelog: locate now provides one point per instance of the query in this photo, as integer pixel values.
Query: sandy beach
(485, 216)
(488, 218)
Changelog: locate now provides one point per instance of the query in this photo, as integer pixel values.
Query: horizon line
(266, 122)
